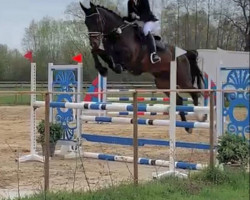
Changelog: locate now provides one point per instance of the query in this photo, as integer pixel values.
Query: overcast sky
(16, 15)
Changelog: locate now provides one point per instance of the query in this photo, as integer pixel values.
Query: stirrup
(152, 58)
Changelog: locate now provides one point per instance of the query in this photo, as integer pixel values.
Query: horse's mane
(111, 11)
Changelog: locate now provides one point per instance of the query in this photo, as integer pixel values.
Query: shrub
(56, 131)
(211, 175)
(233, 149)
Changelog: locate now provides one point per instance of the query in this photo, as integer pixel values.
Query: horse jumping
(124, 49)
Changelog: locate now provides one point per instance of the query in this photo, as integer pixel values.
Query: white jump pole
(33, 156)
(219, 104)
(172, 139)
(79, 99)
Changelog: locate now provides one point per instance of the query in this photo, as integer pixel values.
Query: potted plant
(233, 150)
(56, 132)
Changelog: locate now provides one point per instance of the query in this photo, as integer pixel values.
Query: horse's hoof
(189, 130)
(201, 117)
(103, 71)
(118, 69)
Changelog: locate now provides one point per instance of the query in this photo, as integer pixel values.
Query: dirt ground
(69, 174)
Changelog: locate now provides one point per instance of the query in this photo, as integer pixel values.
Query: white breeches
(153, 27)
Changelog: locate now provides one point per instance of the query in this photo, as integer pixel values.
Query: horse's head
(99, 21)
(118, 37)
(94, 24)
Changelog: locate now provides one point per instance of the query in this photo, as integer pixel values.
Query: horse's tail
(196, 73)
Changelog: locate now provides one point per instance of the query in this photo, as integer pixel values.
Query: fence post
(47, 141)
(135, 137)
(211, 130)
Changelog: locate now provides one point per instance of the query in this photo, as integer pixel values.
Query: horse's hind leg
(179, 101)
(200, 116)
(165, 84)
(195, 97)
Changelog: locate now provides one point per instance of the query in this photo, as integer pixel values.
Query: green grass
(214, 185)
(23, 99)
(17, 99)
(14, 100)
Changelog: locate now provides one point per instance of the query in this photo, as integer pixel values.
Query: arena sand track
(15, 139)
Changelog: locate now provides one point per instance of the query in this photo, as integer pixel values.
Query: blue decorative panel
(237, 79)
(65, 81)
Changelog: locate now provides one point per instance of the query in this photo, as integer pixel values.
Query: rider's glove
(134, 16)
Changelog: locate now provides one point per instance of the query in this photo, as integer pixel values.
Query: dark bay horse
(123, 46)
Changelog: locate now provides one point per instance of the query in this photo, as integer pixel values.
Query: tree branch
(235, 24)
(243, 4)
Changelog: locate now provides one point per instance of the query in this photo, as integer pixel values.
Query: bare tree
(196, 23)
(178, 22)
(186, 4)
(74, 10)
(208, 22)
(240, 19)
(219, 23)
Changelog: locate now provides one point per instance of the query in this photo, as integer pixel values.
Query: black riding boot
(154, 58)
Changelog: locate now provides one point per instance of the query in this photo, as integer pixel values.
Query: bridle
(101, 20)
(100, 35)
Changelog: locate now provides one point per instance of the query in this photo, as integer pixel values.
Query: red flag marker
(78, 58)
(28, 56)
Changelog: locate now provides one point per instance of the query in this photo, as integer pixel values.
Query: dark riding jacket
(142, 9)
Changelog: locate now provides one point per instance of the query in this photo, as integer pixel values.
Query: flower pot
(52, 147)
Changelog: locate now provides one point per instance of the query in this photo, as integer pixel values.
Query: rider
(140, 10)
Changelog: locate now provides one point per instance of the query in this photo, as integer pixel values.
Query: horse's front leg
(102, 70)
(109, 60)
(121, 58)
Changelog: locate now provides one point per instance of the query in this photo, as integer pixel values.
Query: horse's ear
(93, 7)
(84, 8)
